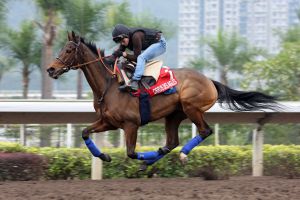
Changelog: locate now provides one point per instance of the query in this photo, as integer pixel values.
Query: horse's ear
(69, 36)
(73, 35)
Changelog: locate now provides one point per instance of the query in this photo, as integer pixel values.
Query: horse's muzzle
(51, 71)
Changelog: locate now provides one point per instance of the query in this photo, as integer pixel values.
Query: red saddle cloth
(165, 81)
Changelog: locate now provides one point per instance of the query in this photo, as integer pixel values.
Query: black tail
(245, 101)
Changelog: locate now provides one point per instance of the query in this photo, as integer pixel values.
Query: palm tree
(229, 53)
(118, 13)
(22, 46)
(147, 20)
(97, 19)
(4, 62)
(50, 10)
(2, 12)
(88, 22)
(5, 65)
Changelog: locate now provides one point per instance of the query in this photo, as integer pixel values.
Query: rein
(71, 66)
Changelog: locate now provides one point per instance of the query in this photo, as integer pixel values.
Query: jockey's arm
(137, 39)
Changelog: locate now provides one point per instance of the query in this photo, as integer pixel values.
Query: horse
(195, 94)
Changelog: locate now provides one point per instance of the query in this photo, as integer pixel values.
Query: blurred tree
(151, 135)
(119, 13)
(236, 134)
(229, 53)
(48, 24)
(282, 134)
(6, 64)
(24, 47)
(50, 9)
(3, 11)
(291, 35)
(88, 22)
(94, 19)
(279, 75)
(147, 20)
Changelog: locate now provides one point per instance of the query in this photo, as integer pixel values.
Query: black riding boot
(133, 85)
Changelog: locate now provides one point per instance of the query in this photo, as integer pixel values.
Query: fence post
(217, 140)
(23, 134)
(69, 135)
(257, 152)
(97, 162)
(194, 130)
(122, 138)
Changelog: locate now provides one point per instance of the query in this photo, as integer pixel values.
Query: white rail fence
(81, 111)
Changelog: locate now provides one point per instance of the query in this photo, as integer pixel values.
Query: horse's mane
(92, 46)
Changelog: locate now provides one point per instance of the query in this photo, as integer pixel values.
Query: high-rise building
(265, 18)
(189, 27)
(257, 20)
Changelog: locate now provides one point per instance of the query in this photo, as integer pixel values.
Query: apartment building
(257, 20)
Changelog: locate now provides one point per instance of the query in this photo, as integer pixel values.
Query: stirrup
(123, 87)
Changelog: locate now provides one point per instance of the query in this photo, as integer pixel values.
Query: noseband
(67, 67)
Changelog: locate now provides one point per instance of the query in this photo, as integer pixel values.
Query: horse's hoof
(143, 167)
(183, 158)
(105, 157)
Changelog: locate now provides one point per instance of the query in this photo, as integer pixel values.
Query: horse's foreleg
(130, 131)
(172, 123)
(98, 126)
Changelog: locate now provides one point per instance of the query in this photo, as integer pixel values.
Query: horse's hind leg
(131, 137)
(204, 132)
(172, 123)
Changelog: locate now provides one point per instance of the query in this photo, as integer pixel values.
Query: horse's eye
(68, 51)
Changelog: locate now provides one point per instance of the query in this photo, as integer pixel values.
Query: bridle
(67, 67)
(73, 66)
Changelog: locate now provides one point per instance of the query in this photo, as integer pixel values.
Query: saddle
(149, 78)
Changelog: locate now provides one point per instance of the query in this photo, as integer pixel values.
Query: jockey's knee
(132, 155)
(141, 58)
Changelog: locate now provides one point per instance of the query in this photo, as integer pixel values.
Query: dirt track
(154, 189)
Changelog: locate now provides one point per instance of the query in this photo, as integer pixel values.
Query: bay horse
(115, 109)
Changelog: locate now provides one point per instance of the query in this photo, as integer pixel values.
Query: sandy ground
(155, 189)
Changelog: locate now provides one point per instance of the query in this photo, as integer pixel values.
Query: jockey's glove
(118, 53)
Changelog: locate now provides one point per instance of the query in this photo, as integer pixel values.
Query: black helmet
(120, 31)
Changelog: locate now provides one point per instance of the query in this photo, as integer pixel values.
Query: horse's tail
(245, 101)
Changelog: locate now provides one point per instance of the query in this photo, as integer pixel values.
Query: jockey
(151, 41)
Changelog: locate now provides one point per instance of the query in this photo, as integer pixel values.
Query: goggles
(119, 38)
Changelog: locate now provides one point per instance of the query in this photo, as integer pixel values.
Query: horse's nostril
(51, 70)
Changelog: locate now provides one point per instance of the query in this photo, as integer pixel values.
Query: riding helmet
(120, 31)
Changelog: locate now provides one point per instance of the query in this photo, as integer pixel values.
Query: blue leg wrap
(150, 162)
(191, 144)
(92, 147)
(147, 155)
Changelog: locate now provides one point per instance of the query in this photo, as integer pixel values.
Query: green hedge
(209, 162)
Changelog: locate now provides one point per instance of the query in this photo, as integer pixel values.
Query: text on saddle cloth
(165, 82)
(156, 78)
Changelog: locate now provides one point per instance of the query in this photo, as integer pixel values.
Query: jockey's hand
(118, 53)
(110, 60)
(124, 54)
